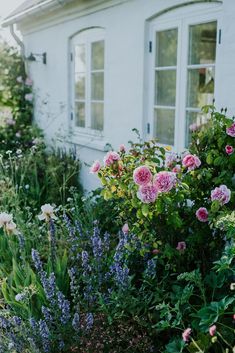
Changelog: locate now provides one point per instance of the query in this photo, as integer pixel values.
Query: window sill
(92, 140)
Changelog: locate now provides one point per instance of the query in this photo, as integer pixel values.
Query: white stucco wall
(126, 44)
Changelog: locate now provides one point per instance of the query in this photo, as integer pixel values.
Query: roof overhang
(34, 10)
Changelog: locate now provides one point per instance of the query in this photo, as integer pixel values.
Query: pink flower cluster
(231, 130)
(110, 158)
(221, 194)
(191, 162)
(202, 214)
(229, 149)
(164, 181)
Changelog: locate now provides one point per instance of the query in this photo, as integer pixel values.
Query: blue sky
(6, 6)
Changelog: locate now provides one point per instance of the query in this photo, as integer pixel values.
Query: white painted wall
(126, 89)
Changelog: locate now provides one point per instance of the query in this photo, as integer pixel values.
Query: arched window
(183, 47)
(88, 66)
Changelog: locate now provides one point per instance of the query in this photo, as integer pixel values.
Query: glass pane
(202, 43)
(80, 87)
(80, 114)
(165, 87)
(97, 86)
(193, 121)
(97, 116)
(200, 89)
(166, 48)
(164, 125)
(97, 55)
(80, 58)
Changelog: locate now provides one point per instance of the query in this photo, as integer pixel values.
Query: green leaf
(145, 210)
(175, 346)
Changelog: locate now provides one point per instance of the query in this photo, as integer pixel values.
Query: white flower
(5, 218)
(11, 228)
(47, 212)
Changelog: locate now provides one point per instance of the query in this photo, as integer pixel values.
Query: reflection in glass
(80, 114)
(166, 48)
(97, 55)
(97, 116)
(80, 87)
(97, 86)
(200, 90)
(165, 87)
(202, 43)
(164, 125)
(80, 58)
(193, 121)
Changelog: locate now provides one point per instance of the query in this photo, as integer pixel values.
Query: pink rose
(122, 148)
(191, 162)
(164, 181)
(176, 169)
(212, 330)
(229, 149)
(181, 246)
(186, 334)
(125, 228)
(147, 193)
(222, 194)
(231, 130)
(95, 167)
(110, 158)
(202, 214)
(142, 175)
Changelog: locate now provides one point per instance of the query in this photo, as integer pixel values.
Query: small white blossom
(5, 218)
(47, 212)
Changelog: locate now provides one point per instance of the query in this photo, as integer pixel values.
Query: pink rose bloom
(231, 130)
(142, 175)
(122, 148)
(202, 214)
(186, 334)
(181, 246)
(170, 159)
(191, 162)
(125, 228)
(95, 167)
(147, 193)
(28, 82)
(164, 181)
(29, 97)
(229, 149)
(222, 194)
(110, 158)
(212, 330)
(176, 169)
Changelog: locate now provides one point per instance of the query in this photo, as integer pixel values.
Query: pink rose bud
(202, 214)
(231, 130)
(212, 330)
(229, 149)
(221, 194)
(181, 246)
(95, 167)
(176, 169)
(156, 251)
(186, 334)
(142, 175)
(122, 148)
(125, 228)
(191, 162)
(110, 158)
(233, 316)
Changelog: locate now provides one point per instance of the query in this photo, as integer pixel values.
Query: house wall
(126, 88)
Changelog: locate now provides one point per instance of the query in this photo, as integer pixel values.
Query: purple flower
(76, 322)
(89, 321)
(45, 335)
(64, 306)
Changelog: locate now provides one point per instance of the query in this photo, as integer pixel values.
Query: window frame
(182, 20)
(86, 37)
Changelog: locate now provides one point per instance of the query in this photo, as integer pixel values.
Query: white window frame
(86, 37)
(182, 19)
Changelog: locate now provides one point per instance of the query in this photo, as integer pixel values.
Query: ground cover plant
(163, 283)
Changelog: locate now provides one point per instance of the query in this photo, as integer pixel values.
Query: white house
(103, 67)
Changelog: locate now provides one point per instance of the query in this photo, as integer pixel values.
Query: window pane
(80, 87)
(80, 114)
(200, 87)
(202, 43)
(80, 58)
(166, 48)
(165, 87)
(97, 86)
(164, 125)
(97, 116)
(193, 121)
(97, 55)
